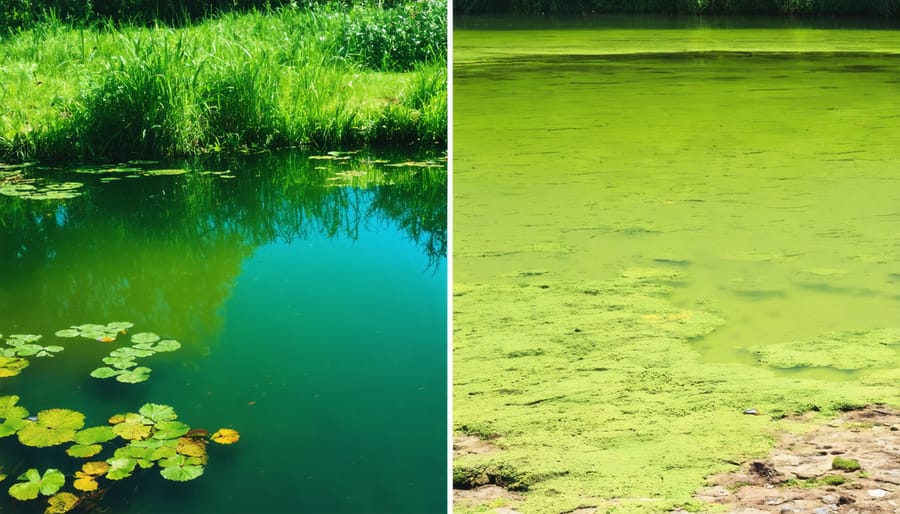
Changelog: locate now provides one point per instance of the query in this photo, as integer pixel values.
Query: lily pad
(12, 366)
(120, 467)
(226, 436)
(167, 345)
(33, 483)
(13, 415)
(60, 503)
(84, 482)
(134, 376)
(105, 372)
(133, 427)
(166, 172)
(83, 451)
(180, 468)
(170, 429)
(67, 332)
(157, 412)
(53, 427)
(144, 337)
(94, 435)
(120, 362)
(131, 352)
(95, 468)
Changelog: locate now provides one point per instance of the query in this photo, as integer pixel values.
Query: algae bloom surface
(655, 230)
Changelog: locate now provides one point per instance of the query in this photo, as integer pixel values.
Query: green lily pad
(134, 376)
(167, 345)
(170, 429)
(83, 451)
(133, 427)
(67, 332)
(53, 427)
(32, 483)
(181, 473)
(132, 352)
(157, 412)
(174, 171)
(13, 415)
(180, 468)
(95, 435)
(12, 366)
(106, 372)
(119, 325)
(144, 337)
(17, 339)
(120, 467)
(120, 362)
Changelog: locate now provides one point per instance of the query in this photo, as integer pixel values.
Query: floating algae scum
(283, 292)
(656, 229)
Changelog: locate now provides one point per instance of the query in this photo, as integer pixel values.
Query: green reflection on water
(310, 299)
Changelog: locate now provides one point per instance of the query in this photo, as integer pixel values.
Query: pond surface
(309, 296)
(755, 167)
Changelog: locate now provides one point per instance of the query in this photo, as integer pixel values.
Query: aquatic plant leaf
(106, 372)
(144, 337)
(84, 482)
(13, 415)
(192, 448)
(120, 363)
(48, 351)
(53, 427)
(119, 326)
(60, 503)
(157, 412)
(131, 352)
(67, 332)
(133, 376)
(166, 172)
(115, 419)
(181, 473)
(167, 345)
(95, 435)
(33, 483)
(83, 451)
(120, 467)
(134, 426)
(170, 429)
(17, 339)
(12, 366)
(95, 467)
(226, 436)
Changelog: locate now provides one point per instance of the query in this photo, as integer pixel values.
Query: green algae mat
(652, 237)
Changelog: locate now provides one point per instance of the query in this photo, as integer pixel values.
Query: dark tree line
(881, 8)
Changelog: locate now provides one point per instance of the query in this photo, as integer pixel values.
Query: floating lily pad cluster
(121, 362)
(104, 333)
(30, 190)
(150, 437)
(153, 436)
(371, 174)
(23, 345)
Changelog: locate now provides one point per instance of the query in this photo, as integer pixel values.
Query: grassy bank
(769, 7)
(323, 77)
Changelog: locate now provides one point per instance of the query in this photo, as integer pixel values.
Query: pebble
(877, 493)
(830, 499)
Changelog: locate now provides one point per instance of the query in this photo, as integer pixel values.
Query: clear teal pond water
(312, 320)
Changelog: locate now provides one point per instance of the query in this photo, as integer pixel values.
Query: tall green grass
(240, 82)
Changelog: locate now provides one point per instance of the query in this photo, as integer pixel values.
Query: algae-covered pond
(307, 294)
(658, 225)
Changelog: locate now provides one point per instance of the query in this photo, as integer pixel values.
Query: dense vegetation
(322, 76)
(771, 7)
